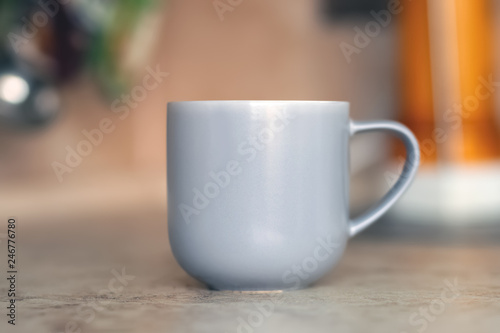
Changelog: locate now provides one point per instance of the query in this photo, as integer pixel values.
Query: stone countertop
(67, 282)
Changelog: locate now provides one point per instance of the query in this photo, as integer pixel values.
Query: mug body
(258, 191)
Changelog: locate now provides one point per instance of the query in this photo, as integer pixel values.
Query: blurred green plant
(116, 26)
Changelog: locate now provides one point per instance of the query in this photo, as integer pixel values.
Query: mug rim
(261, 101)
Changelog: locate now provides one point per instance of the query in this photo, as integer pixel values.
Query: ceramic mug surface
(258, 190)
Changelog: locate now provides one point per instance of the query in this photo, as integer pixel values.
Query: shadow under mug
(258, 190)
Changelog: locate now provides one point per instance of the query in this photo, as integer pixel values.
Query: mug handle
(408, 174)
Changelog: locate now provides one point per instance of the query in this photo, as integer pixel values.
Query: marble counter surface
(118, 275)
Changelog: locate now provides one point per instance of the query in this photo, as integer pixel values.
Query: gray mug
(258, 191)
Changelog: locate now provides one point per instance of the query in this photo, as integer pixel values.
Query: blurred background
(84, 86)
